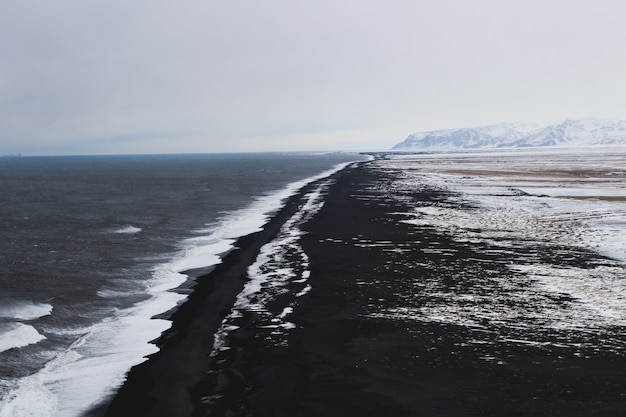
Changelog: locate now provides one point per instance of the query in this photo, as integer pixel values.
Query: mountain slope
(569, 133)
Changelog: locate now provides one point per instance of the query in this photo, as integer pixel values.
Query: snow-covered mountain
(515, 135)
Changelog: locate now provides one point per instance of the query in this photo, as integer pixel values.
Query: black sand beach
(345, 358)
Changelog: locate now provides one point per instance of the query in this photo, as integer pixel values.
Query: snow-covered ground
(524, 203)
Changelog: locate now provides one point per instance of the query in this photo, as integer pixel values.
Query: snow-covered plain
(532, 207)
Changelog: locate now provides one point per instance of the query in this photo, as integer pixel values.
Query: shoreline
(348, 354)
(166, 374)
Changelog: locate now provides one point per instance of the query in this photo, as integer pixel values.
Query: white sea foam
(96, 364)
(128, 229)
(23, 309)
(92, 367)
(207, 249)
(281, 262)
(202, 252)
(16, 335)
(109, 293)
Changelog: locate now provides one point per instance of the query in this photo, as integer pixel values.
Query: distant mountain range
(584, 132)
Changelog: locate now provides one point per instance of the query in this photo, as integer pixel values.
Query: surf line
(280, 268)
(160, 386)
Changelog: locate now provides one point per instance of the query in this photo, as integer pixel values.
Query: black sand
(343, 359)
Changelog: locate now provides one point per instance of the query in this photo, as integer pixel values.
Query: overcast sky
(154, 76)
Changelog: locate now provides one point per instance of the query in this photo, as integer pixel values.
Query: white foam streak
(128, 229)
(202, 255)
(281, 262)
(16, 335)
(205, 250)
(23, 310)
(94, 366)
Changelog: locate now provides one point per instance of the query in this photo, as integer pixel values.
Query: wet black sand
(343, 359)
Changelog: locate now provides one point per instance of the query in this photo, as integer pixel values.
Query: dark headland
(342, 358)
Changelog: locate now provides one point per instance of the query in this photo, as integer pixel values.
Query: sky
(157, 76)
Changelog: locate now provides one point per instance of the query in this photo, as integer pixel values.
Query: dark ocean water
(91, 246)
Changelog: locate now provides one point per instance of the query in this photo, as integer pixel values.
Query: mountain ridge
(583, 132)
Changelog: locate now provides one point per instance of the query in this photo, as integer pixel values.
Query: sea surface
(94, 250)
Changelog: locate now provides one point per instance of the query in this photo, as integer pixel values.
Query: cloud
(74, 75)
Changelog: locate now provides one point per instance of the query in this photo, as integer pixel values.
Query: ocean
(94, 251)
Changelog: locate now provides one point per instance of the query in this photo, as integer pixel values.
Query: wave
(128, 229)
(208, 249)
(16, 335)
(91, 370)
(23, 310)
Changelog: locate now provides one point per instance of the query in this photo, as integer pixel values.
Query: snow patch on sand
(521, 203)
